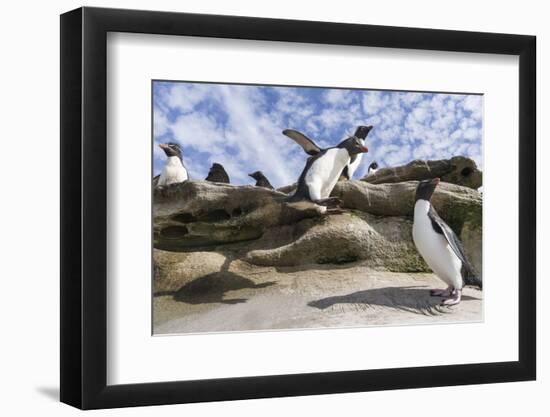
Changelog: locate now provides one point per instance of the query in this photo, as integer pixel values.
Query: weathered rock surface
(173, 269)
(200, 214)
(454, 203)
(457, 170)
(211, 222)
(383, 242)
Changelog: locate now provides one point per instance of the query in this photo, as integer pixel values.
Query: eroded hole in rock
(237, 212)
(174, 232)
(466, 171)
(184, 218)
(338, 259)
(215, 215)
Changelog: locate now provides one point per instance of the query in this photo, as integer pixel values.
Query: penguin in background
(311, 148)
(261, 180)
(217, 174)
(373, 167)
(323, 170)
(440, 247)
(174, 170)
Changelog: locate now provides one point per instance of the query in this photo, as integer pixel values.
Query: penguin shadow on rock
(414, 299)
(326, 166)
(211, 288)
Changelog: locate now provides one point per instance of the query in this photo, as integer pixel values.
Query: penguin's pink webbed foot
(453, 299)
(441, 293)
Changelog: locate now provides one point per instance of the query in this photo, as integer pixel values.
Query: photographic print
(302, 207)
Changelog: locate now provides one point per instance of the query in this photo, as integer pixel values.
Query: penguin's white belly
(323, 174)
(173, 172)
(352, 166)
(436, 251)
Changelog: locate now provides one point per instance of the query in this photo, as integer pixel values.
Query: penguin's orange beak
(163, 146)
(436, 181)
(364, 149)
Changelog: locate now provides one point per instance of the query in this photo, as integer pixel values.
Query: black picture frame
(84, 207)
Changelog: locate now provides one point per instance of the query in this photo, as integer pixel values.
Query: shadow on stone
(415, 300)
(211, 288)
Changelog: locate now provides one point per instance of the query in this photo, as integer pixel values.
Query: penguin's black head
(426, 188)
(258, 175)
(373, 165)
(171, 149)
(353, 145)
(362, 131)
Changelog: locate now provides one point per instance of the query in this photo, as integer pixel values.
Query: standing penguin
(311, 148)
(322, 171)
(373, 167)
(174, 170)
(261, 180)
(361, 132)
(440, 247)
(217, 174)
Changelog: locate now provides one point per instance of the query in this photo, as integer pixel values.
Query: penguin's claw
(441, 292)
(453, 299)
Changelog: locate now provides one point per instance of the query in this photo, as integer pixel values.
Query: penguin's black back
(302, 190)
(264, 182)
(469, 275)
(217, 174)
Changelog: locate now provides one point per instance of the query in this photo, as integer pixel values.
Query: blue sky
(240, 126)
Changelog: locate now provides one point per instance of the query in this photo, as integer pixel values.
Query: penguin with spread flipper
(311, 148)
(323, 170)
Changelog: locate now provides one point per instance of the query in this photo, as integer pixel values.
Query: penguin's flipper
(156, 181)
(345, 174)
(439, 225)
(309, 146)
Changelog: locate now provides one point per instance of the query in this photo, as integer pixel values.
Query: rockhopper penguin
(261, 180)
(217, 174)
(174, 170)
(440, 247)
(373, 167)
(322, 171)
(311, 148)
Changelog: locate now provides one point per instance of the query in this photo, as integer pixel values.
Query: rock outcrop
(457, 170)
(201, 228)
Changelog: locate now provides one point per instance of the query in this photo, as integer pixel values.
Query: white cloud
(185, 97)
(399, 156)
(160, 122)
(197, 130)
(373, 102)
(473, 104)
(336, 97)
